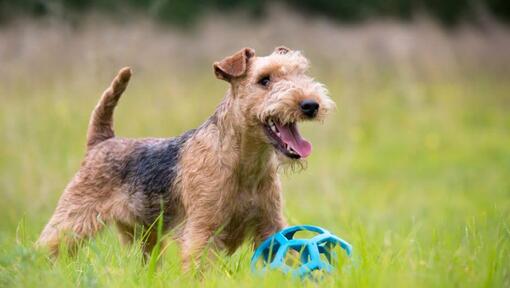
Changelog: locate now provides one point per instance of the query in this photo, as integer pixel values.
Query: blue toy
(274, 249)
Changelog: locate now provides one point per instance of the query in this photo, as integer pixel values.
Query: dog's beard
(288, 165)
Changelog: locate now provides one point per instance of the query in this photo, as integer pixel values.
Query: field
(413, 168)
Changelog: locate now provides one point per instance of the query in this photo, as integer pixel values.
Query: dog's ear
(281, 50)
(233, 66)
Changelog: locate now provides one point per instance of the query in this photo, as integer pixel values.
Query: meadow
(413, 167)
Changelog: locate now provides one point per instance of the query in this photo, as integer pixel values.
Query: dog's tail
(101, 120)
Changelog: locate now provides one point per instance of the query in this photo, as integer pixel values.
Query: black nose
(309, 107)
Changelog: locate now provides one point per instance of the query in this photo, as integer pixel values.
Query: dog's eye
(264, 81)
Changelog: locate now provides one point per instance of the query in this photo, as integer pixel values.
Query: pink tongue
(290, 135)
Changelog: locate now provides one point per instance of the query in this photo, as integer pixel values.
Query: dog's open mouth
(286, 139)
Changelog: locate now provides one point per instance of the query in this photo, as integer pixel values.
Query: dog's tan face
(273, 94)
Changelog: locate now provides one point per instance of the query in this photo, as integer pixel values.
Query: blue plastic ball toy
(274, 249)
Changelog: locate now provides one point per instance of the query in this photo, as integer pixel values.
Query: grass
(413, 171)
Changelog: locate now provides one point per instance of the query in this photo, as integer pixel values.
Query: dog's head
(272, 94)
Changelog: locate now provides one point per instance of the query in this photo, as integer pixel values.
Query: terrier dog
(215, 184)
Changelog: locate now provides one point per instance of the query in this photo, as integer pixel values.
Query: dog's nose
(309, 107)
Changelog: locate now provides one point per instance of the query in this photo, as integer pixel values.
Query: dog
(214, 185)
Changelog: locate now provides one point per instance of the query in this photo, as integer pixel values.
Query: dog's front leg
(267, 227)
(198, 246)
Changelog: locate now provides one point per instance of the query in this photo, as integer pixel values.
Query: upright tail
(101, 121)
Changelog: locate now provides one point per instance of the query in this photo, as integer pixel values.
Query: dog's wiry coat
(218, 183)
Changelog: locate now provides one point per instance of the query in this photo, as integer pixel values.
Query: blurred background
(413, 168)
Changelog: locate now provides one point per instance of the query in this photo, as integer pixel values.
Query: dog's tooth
(273, 127)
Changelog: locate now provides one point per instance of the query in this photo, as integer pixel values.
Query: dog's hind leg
(69, 226)
(126, 233)
(78, 216)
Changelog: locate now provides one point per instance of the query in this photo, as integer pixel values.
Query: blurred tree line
(185, 12)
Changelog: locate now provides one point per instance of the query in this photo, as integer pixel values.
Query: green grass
(415, 174)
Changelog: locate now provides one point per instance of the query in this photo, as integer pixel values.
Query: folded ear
(233, 66)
